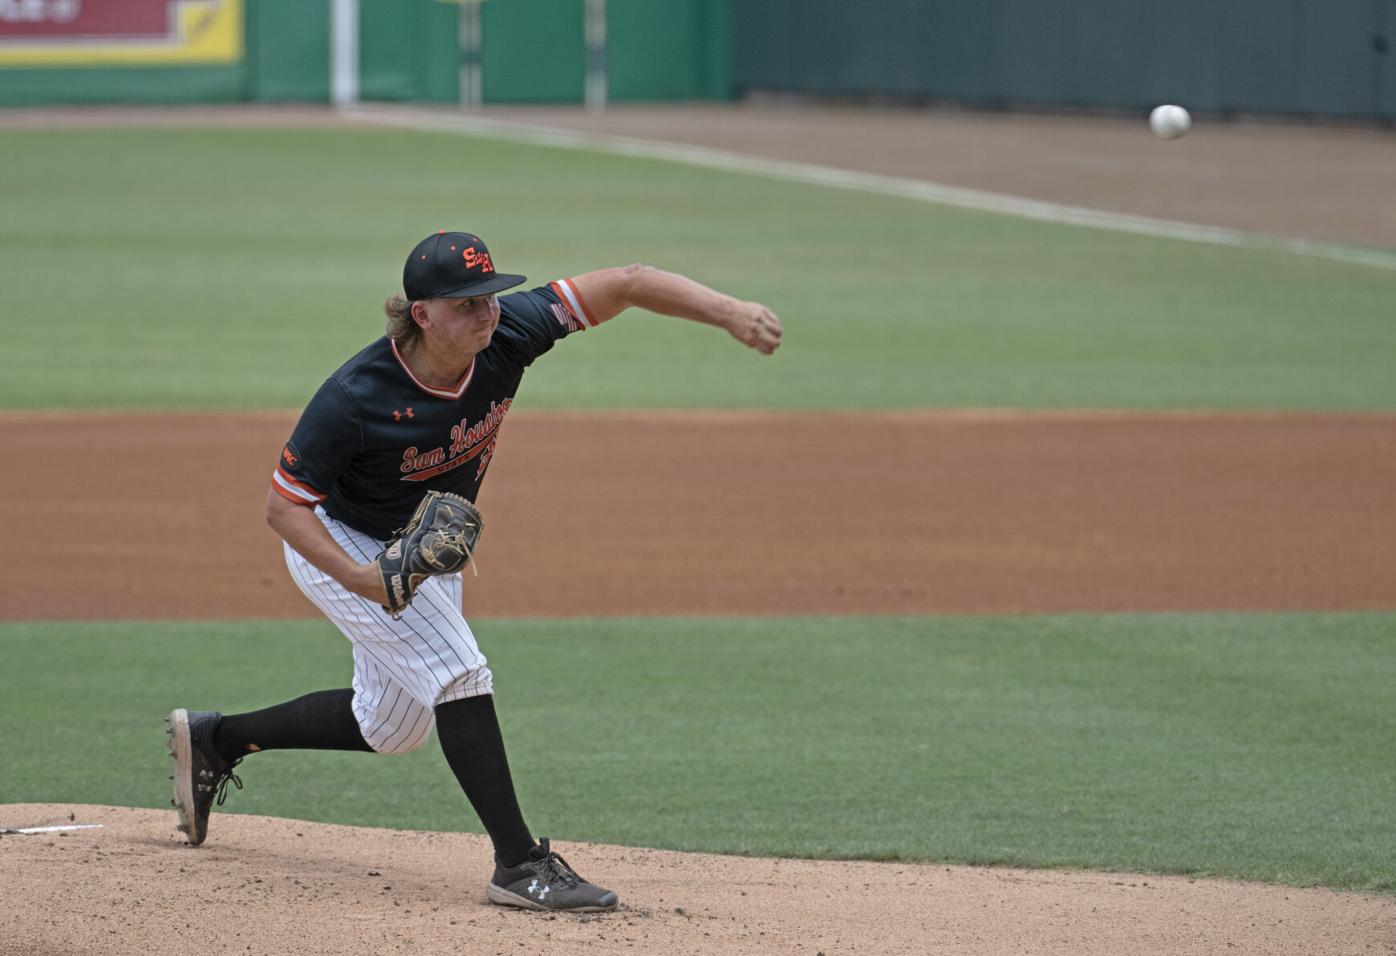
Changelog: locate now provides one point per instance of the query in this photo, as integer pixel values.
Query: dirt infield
(752, 514)
(695, 514)
(263, 885)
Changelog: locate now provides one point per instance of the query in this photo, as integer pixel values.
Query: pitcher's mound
(267, 885)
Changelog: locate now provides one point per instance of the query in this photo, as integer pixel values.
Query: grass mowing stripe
(236, 268)
(1249, 746)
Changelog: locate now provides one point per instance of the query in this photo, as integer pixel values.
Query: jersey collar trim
(437, 392)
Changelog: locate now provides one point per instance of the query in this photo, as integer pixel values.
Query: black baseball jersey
(374, 439)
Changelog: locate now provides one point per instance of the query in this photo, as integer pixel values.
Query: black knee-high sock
(474, 747)
(323, 720)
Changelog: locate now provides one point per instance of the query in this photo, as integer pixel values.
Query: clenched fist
(755, 326)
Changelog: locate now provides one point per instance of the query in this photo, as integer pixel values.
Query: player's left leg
(207, 745)
(526, 874)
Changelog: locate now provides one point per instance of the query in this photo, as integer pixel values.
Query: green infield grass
(232, 268)
(1245, 746)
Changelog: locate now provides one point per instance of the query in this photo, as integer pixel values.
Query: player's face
(464, 326)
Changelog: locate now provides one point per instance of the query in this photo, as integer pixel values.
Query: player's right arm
(608, 292)
(303, 531)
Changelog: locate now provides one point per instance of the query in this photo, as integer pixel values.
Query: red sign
(87, 19)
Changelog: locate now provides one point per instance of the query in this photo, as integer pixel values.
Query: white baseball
(1169, 122)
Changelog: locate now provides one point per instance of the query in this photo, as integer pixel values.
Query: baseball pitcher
(374, 496)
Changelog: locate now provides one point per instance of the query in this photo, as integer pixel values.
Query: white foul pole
(595, 31)
(472, 86)
(344, 52)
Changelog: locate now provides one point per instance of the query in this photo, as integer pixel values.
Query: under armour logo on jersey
(539, 891)
(397, 415)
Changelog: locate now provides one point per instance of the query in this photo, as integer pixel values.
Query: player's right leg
(201, 773)
(207, 745)
(380, 713)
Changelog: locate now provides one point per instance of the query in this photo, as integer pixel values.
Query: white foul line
(866, 182)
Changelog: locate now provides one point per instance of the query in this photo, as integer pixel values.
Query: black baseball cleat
(545, 882)
(201, 774)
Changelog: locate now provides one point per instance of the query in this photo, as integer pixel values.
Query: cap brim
(495, 283)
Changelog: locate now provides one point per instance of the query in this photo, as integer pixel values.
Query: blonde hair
(402, 328)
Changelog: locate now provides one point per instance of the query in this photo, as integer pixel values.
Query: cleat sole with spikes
(179, 748)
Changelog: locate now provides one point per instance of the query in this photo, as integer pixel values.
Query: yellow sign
(49, 33)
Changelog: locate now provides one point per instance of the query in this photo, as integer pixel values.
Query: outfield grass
(1252, 746)
(236, 268)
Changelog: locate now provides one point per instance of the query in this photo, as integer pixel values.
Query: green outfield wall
(1302, 57)
(533, 50)
(1305, 57)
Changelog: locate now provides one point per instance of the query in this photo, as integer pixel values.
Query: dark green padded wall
(676, 50)
(288, 50)
(1309, 57)
(533, 51)
(409, 50)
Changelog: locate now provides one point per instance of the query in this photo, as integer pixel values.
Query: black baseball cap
(453, 265)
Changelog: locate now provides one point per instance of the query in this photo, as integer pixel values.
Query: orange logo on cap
(481, 259)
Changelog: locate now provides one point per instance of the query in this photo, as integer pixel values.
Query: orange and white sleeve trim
(572, 312)
(297, 492)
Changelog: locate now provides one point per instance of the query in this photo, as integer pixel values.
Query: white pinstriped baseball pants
(402, 668)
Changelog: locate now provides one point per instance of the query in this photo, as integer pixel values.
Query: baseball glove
(440, 539)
